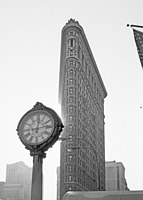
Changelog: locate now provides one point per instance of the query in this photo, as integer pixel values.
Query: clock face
(37, 127)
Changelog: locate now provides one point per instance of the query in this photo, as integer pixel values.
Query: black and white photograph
(71, 100)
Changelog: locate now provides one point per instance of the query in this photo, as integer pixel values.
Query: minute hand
(48, 126)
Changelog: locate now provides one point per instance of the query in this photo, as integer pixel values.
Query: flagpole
(132, 25)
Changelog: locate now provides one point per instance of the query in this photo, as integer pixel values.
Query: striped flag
(139, 43)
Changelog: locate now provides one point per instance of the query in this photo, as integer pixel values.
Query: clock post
(37, 176)
(38, 130)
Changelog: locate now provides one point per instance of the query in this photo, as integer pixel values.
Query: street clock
(39, 128)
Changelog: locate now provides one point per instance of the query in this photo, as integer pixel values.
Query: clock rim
(23, 120)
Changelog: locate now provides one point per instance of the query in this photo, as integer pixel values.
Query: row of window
(70, 187)
(73, 73)
(88, 183)
(85, 65)
(80, 130)
(87, 162)
(88, 128)
(86, 106)
(72, 32)
(88, 110)
(84, 117)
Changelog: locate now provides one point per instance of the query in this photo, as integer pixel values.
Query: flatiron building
(81, 95)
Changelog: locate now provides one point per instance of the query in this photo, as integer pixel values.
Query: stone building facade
(18, 181)
(115, 176)
(81, 95)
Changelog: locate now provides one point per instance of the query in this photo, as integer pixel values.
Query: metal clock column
(37, 176)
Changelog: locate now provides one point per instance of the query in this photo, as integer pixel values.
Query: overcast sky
(30, 38)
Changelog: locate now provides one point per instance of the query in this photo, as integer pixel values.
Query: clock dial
(37, 127)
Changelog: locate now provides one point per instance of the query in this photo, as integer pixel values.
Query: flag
(138, 35)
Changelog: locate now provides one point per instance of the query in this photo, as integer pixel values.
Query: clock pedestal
(38, 130)
(37, 176)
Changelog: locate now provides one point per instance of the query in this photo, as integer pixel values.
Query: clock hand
(38, 127)
(32, 129)
(38, 124)
(49, 126)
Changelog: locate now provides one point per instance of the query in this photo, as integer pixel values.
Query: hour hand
(48, 126)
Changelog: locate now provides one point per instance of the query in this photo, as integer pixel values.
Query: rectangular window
(70, 137)
(70, 128)
(70, 158)
(71, 100)
(71, 72)
(71, 109)
(70, 118)
(70, 168)
(71, 81)
(71, 90)
(71, 42)
(70, 178)
(71, 63)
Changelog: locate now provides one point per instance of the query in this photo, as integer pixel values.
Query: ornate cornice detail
(72, 22)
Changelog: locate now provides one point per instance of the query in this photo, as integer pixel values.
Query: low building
(18, 181)
(115, 176)
(2, 191)
(14, 191)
